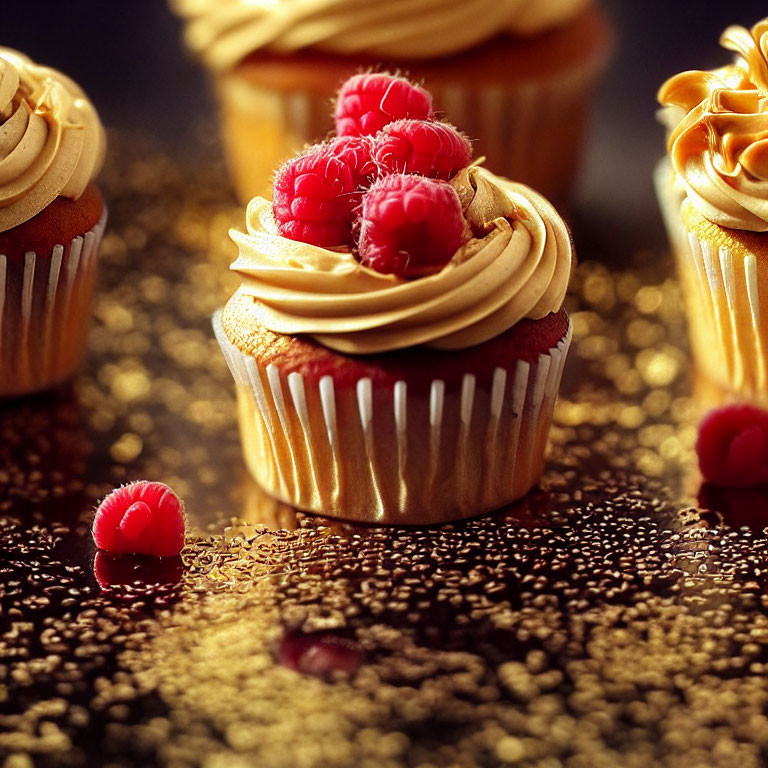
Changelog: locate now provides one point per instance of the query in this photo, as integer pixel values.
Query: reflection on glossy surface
(322, 654)
(135, 570)
(602, 620)
(737, 507)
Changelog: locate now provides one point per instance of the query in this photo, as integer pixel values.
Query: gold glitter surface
(615, 617)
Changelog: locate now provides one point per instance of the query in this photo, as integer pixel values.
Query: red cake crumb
(367, 102)
(733, 446)
(410, 226)
(436, 150)
(141, 518)
(525, 340)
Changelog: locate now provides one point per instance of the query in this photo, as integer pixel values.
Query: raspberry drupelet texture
(141, 518)
(733, 446)
(368, 102)
(315, 195)
(410, 226)
(436, 150)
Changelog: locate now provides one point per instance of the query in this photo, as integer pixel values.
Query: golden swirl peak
(719, 147)
(51, 140)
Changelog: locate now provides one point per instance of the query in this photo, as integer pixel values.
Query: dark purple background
(128, 56)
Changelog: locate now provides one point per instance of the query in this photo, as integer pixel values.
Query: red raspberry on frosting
(141, 518)
(356, 152)
(410, 226)
(366, 103)
(432, 149)
(316, 194)
(733, 446)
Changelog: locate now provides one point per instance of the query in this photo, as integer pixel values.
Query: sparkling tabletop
(616, 616)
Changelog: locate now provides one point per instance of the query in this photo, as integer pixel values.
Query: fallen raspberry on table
(141, 518)
(436, 150)
(315, 194)
(410, 226)
(733, 446)
(366, 103)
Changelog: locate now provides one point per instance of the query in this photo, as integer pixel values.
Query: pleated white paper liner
(528, 131)
(44, 311)
(378, 455)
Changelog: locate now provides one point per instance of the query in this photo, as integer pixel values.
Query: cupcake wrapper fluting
(722, 289)
(729, 332)
(379, 455)
(44, 307)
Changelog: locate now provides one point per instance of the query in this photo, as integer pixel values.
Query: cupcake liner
(530, 131)
(44, 305)
(381, 455)
(728, 330)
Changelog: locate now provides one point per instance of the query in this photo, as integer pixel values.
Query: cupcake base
(390, 454)
(45, 299)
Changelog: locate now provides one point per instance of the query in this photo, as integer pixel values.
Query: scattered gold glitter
(604, 620)
(127, 448)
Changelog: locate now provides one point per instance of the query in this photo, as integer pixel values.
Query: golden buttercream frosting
(223, 32)
(719, 147)
(519, 267)
(51, 140)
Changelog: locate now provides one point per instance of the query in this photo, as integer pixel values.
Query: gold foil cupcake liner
(379, 455)
(44, 305)
(727, 326)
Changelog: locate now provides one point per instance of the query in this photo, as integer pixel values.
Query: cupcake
(398, 337)
(52, 217)
(713, 190)
(518, 76)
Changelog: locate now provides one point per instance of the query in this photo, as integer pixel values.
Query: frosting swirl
(51, 140)
(519, 268)
(223, 32)
(719, 147)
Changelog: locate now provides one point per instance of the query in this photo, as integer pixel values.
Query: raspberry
(141, 518)
(436, 150)
(315, 194)
(410, 226)
(733, 446)
(366, 103)
(356, 152)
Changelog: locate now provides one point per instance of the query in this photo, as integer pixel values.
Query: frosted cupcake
(714, 196)
(517, 75)
(398, 338)
(52, 217)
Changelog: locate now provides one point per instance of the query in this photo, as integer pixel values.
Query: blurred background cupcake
(713, 191)
(52, 217)
(517, 75)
